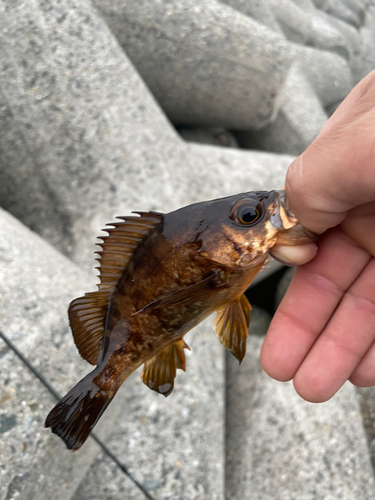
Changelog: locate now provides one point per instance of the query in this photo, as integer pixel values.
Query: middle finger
(343, 343)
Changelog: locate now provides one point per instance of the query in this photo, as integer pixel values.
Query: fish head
(240, 231)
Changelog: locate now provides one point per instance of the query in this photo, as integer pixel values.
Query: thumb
(337, 171)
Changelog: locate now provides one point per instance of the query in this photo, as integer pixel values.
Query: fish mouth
(290, 231)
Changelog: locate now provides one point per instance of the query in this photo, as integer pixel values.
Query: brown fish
(160, 276)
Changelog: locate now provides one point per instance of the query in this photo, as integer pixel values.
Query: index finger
(312, 297)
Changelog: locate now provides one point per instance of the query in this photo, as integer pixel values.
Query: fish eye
(247, 213)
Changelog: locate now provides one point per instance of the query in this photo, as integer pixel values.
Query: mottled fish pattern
(161, 275)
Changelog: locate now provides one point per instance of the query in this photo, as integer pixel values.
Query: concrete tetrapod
(36, 286)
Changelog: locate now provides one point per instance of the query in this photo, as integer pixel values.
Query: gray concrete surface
(74, 134)
(328, 73)
(204, 62)
(36, 286)
(365, 61)
(178, 442)
(366, 400)
(78, 146)
(83, 139)
(259, 10)
(279, 446)
(217, 136)
(299, 121)
(148, 432)
(349, 11)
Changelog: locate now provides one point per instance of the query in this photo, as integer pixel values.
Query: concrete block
(36, 286)
(183, 433)
(82, 140)
(276, 442)
(326, 36)
(343, 10)
(214, 136)
(350, 34)
(205, 63)
(293, 20)
(77, 124)
(365, 62)
(328, 74)
(32, 465)
(366, 400)
(305, 4)
(176, 443)
(37, 283)
(326, 32)
(358, 7)
(244, 170)
(298, 123)
(259, 10)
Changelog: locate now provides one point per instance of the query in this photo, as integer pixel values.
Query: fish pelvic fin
(231, 325)
(159, 372)
(73, 418)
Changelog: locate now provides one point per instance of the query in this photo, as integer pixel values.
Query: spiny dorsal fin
(159, 372)
(117, 248)
(87, 314)
(231, 325)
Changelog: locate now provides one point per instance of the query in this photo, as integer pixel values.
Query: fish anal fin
(159, 372)
(231, 325)
(87, 317)
(118, 247)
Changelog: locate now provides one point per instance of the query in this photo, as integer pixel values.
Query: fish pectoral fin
(87, 317)
(189, 295)
(231, 325)
(159, 372)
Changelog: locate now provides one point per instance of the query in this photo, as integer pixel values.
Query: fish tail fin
(77, 413)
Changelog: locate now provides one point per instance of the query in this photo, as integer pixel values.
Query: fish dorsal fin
(231, 325)
(159, 372)
(117, 248)
(88, 314)
(87, 317)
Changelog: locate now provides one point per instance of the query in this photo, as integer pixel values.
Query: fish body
(161, 275)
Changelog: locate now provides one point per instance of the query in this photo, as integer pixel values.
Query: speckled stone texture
(298, 123)
(79, 146)
(365, 62)
(204, 62)
(81, 135)
(276, 442)
(83, 139)
(366, 399)
(176, 443)
(36, 286)
(157, 438)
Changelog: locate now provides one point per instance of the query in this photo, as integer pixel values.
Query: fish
(160, 276)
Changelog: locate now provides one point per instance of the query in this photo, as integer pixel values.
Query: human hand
(323, 332)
